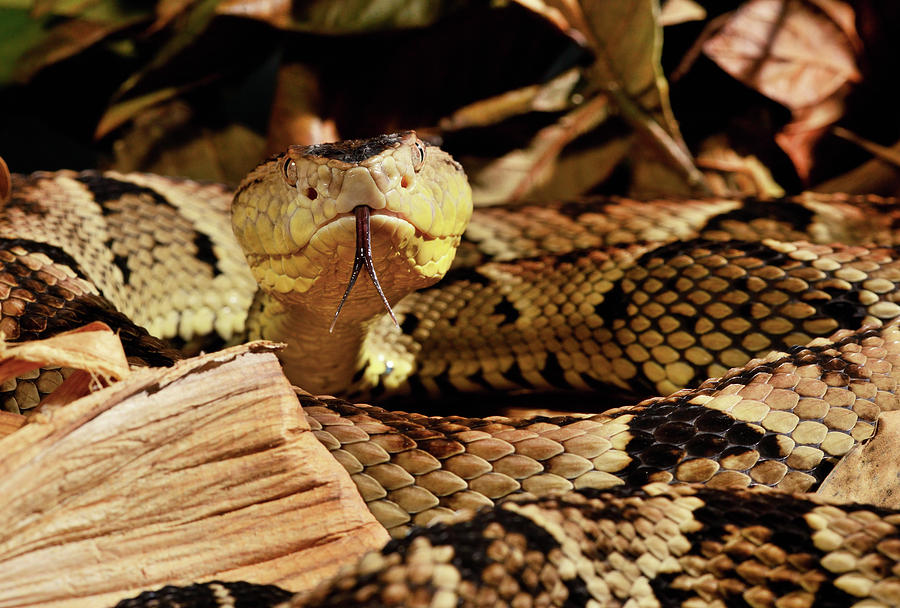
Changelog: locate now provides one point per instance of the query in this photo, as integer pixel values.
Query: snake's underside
(575, 510)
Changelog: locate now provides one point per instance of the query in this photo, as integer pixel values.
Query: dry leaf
(874, 175)
(680, 11)
(5, 182)
(93, 348)
(730, 174)
(578, 171)
(808, 125)
(122, 111)
(888, 155)
(204, 470)
(514, 175)
(875, 461)
(560, 17)
(787, 50)
(552, 96)
(626, 40)
(165, 140)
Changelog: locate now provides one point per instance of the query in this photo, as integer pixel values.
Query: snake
(769, 325)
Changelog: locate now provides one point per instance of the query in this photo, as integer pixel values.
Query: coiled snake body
(647, 297)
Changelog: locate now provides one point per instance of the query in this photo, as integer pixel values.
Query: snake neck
(314, 358)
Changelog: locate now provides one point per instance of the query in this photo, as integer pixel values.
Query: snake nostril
(311, 193)
(404, 183)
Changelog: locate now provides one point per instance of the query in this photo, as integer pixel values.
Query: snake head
(295, 216)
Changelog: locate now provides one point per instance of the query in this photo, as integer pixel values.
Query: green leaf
(18, 33)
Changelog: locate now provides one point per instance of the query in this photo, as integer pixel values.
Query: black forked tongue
(363, 257)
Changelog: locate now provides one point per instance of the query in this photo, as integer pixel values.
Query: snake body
(649, 298)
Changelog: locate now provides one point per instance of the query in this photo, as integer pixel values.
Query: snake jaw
(362, 258)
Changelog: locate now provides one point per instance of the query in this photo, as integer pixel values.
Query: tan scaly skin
(296, 218)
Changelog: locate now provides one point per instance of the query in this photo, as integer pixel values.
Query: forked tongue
(363, 257)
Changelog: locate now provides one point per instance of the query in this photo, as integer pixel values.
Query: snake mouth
(363, 258)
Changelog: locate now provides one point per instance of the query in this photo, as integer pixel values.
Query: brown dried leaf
(730, 174)
(560, 17)
(875, 461)
(165, 140)
(883, 153)
(788, 50)
(553, 96)
(93, 348)
(874, 175)
(121, 112)
(576, 172)
(680, 11)
(808, 125)
(5, 182)
(514, 175)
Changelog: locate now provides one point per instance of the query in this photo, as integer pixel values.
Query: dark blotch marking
(661, 456)
(106, 189)
(410, 323)
(613, 304)
(674, 432)
(478, 378)
(769, 447)
(514, 375)
(120, 261)
(51, 251)
(575, 209)
(553, 371)
(354, 150)
(201, 595)
(744, 434)
(705, 445)
(205, 252)
(783, 515)
(787, 212)
(844, 307)
(508, 310)
(668, 251)
(444, 383)
(470, 545)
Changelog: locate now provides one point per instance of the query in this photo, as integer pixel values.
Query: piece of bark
(875, 463)
(206, 470)
(9, 422)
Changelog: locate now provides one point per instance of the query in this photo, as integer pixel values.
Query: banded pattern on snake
(569, 296)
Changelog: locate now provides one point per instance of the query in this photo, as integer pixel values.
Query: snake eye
(418, 155)
(289, 172)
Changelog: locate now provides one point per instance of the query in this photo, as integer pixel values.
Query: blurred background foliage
(539, 99)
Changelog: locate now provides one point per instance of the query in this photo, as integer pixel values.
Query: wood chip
(206, 470)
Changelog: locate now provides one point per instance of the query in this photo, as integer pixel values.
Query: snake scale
(646, 297)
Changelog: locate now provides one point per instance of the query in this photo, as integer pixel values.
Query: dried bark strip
(200, 471)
